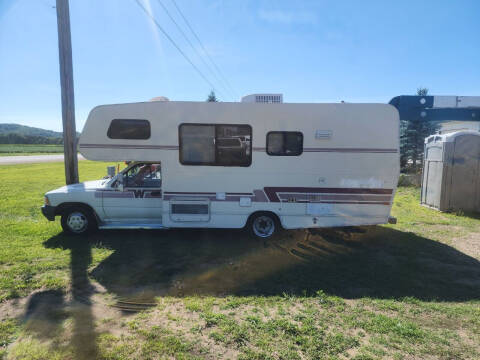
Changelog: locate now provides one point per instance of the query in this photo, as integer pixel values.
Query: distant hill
(21, 134)
(28, 131)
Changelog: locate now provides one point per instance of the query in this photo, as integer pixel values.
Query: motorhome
(234, 165)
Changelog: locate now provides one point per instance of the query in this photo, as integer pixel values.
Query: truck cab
(130, 199)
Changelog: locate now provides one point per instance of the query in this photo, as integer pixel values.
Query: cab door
(140, 201)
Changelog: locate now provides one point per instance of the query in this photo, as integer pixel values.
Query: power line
(193, 47)
(203, 48)
(174, 43)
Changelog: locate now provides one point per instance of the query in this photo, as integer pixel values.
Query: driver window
(144, 175)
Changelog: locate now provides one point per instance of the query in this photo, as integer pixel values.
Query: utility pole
(66, 83)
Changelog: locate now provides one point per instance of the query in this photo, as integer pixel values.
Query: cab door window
(144, 176)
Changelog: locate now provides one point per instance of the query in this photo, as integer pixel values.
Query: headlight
(46, 201)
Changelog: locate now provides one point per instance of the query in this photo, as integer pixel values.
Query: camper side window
(284, 143)
(215, 145)
(129, 129)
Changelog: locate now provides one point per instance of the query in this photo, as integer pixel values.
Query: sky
(310, 51)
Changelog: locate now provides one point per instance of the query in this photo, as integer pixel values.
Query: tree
(412, 139)
(422, 91)
(212, 97)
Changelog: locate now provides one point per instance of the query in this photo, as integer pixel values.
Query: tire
(78, 220)
(263, 225)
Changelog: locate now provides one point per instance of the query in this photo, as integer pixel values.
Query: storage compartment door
(190, 210)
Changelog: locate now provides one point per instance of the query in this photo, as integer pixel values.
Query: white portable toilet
(451, 172)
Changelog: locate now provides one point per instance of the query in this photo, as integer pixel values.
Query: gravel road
(28, 159)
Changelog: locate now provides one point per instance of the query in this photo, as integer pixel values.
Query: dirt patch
(469, 245)
(188, 325)
(13, 308)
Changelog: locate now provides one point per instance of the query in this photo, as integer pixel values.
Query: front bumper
(49, 212)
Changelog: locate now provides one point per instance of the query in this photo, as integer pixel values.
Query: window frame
(214, 163)
(124, 138)
(283, 132)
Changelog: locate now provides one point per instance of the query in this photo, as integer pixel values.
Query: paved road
(27, 159)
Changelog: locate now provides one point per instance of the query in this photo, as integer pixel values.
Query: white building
(263, 98)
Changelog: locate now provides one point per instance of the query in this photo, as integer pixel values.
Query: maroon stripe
(205, 193)
(351, 150)
(231, 198)
(116, 195)
(176, 147)
(197, 197)
(190, 193)
(344, 202)
(277, 194)
(259, 196)
(315, 190)
(272, 192)
(339, 202)
(126, 194)
(341, 150)
(316, 197)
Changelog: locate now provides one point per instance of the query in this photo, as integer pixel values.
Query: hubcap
(263, 226)
(77, 222)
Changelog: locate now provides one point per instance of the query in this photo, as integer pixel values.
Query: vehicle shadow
(377, 262)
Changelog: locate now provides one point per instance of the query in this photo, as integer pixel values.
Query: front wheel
(263, 225)
(78, 220)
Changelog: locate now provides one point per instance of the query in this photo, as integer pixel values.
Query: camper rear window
(215, 145)
(284, 143)
(131, 129)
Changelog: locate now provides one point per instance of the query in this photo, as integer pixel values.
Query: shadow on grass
(376, 262)
(47, 309)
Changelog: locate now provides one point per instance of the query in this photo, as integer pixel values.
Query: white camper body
(307, 165)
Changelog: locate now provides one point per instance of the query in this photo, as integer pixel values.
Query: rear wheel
(78, 220)
(263, 225)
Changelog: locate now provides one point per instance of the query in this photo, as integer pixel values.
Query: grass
(29, 149)
(25, 262)
(409, 290)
